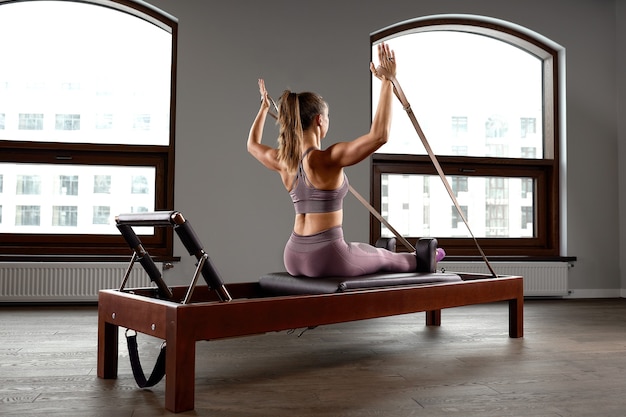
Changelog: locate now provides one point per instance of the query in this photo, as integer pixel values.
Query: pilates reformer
(183, 315)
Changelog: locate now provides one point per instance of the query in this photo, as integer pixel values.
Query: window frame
(48, 246)
(545, 171)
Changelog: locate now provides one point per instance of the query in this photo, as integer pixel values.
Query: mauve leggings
(328, 254)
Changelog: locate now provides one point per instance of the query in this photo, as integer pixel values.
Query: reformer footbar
(204, 266)
(189, 239)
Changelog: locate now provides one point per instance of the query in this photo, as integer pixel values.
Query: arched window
(486, 94)
(87, 105)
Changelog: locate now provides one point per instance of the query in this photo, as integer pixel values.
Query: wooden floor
(571, 362)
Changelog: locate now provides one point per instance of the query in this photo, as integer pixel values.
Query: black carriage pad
(281, 283)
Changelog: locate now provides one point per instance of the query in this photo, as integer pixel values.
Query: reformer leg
(516, 317)
(180, 362)
(433, 318)
(107, 348)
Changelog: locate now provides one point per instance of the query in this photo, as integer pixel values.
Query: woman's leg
(328, 254)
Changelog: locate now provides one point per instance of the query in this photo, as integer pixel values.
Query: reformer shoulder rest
(282, 283)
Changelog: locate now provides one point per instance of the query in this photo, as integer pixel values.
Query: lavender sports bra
(308, 199)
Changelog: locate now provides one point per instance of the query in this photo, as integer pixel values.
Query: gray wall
(621, 134)
(240, 209)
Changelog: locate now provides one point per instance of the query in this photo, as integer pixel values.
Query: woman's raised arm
(263, 153)
(344, 154)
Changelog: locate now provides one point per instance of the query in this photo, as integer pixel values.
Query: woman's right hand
(387, 63)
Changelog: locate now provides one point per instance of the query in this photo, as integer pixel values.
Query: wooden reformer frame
(182, 315)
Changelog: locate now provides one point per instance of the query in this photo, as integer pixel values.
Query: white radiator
(64, 282)
(80, 282)
(541, 279)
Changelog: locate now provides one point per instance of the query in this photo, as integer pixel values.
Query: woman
(317, 184)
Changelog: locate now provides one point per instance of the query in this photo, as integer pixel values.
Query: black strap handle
(159, 367)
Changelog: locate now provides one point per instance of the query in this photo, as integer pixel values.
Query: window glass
(71, 75)
(82, 202)
(473, 95)
(494, 206)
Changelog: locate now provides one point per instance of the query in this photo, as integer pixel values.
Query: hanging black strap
(159, 367)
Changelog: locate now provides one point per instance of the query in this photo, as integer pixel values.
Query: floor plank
(571, 362)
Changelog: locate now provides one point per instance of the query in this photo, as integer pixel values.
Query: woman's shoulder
(320, 165)
(323, 158)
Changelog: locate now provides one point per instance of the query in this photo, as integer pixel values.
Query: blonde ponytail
(296, 113)
(290, 131)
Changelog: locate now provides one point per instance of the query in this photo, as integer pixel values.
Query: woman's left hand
(265, 100)
(387, 59)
